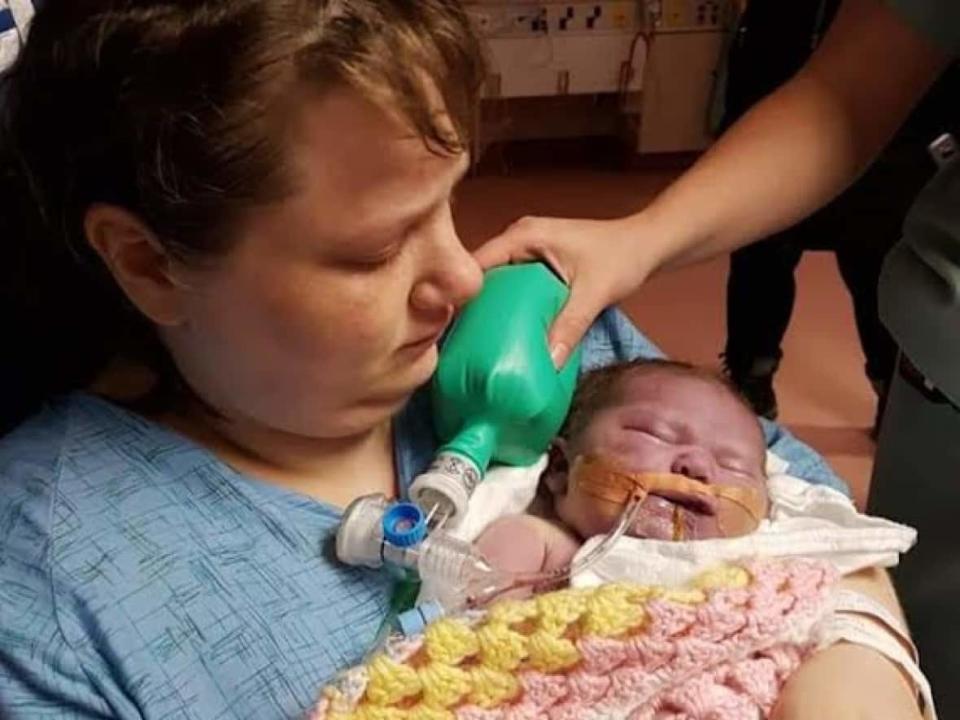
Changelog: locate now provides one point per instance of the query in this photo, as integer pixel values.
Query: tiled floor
(823, 394)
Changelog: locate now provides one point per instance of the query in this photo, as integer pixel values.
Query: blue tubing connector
(413, 621)
(404, 525)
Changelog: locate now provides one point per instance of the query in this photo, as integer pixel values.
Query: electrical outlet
(689, 13)
(520, 19)
(708, 13)
(559, 18)
(615, 16)
(496, 19)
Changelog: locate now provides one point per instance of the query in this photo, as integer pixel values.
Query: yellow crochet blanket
(720, 647)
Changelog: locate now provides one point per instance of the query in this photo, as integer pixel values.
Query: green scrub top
(920, 285)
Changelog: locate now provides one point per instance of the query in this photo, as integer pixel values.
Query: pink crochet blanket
(718, 649)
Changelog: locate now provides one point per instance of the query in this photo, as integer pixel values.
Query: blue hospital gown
(141, 577)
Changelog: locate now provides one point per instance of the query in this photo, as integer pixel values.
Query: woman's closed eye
(373, 258)
(389, 250)
(379, 259)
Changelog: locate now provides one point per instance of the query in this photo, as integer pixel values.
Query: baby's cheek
(586, 515)
(513, 544)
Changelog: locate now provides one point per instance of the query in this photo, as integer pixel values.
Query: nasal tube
(375, 533)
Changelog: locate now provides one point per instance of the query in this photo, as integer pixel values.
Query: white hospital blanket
(804, 520)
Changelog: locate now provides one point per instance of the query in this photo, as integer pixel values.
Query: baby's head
(658, 417)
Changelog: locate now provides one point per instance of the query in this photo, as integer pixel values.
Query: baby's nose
(695, 464)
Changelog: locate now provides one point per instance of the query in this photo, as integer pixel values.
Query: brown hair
(596, 389)
(169, 108)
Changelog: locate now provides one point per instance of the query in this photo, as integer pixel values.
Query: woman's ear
(137, 262)
(558, 467)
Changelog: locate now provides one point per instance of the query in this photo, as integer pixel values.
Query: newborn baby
(649, 417)
(682, 435)
(652, 420)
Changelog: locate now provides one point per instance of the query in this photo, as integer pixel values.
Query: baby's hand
(525, 543)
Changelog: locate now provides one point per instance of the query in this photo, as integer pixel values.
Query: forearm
(784, 159)
(876, 585)
(850, 681)
(847, 682)
(800, 147)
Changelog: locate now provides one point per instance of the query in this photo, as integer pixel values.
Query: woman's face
(324, 318)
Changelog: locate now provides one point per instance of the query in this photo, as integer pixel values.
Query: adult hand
(601, 260)
(823, 127)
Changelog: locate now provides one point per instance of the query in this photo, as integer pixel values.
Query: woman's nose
(450, 277)
(694, 463)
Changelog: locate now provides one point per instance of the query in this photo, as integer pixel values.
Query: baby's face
(662, 421)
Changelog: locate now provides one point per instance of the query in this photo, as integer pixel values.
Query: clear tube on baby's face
(622, 493)
(738, 510)
(479, 595)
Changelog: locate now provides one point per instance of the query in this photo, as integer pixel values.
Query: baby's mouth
(673, 515)
(693, 502)
(684, 508)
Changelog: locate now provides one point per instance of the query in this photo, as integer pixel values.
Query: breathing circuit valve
(404, 525)
(375, 533)
(444, 490)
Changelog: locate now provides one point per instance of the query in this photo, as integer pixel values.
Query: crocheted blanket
(720, 648)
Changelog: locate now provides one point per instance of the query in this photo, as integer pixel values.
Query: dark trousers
(860, 226)
(916, 481)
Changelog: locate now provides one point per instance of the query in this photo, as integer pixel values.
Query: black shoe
(755, 384)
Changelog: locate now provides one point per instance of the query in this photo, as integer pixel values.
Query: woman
(264, 188)
(254, 198)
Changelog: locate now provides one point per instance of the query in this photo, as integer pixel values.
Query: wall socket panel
(689, 14)
(555, 18)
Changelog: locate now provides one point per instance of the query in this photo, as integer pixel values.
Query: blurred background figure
(772, 42)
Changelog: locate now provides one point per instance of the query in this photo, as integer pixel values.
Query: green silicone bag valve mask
(497, 397)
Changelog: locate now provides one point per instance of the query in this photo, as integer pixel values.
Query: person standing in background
(772, 43)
